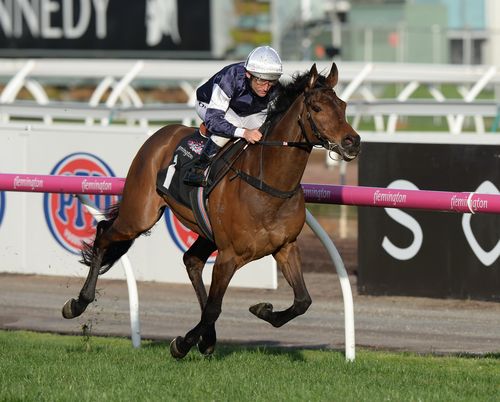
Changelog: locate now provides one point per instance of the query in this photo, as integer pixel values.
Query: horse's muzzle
(350, 147)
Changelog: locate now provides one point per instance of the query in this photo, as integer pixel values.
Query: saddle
(169, 181)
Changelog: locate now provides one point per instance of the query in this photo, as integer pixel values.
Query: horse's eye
(316, 108)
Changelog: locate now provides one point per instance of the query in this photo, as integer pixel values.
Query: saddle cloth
(169, 181)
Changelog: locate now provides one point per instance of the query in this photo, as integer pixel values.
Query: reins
(297, 144)
(307, 145)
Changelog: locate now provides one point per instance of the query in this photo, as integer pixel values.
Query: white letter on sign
(48, 7)
(26, 10)
(407, 221)
(487, 258)
(72, 31)
(101, 9)
(6, 18)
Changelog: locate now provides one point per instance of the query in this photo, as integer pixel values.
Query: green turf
(46, 367)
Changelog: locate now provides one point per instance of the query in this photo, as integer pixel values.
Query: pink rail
(37, 183)
(461, 202)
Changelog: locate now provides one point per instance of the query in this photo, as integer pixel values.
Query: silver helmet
(264, 62)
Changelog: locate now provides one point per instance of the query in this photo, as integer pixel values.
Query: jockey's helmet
(264, 62)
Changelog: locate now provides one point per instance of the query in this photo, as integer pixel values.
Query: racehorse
(249, 220)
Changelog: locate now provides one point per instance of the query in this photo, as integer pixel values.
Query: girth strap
(260, 185)
(198, 206)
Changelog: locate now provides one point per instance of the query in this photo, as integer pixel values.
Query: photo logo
(68, 220)
(181, 235)
(2, 206)
(161, 20)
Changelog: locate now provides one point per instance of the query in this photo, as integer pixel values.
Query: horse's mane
(287, 93)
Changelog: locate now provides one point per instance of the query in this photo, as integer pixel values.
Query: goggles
(262, 81)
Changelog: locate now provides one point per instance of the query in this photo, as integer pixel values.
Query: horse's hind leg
(195, 259)
(75, 307)
(113, 239)
(288, 259)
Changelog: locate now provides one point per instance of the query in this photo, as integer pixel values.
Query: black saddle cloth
(169, 180)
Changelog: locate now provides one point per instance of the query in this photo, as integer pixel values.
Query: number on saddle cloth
(169, 180)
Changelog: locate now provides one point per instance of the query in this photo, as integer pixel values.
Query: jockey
(233, 104)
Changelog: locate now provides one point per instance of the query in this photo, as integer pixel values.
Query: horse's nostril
(351, 141)
(357, 141)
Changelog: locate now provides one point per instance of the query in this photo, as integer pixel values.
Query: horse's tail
(114, 251)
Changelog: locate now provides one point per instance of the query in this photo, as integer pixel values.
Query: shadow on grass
(227, 349)
(494, 356)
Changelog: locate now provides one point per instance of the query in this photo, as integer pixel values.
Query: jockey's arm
(217, 124)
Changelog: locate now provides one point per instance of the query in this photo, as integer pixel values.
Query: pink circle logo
(181, 235)
(68, 220)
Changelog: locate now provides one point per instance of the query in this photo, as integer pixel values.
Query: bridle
(322, 141)
(307, 145)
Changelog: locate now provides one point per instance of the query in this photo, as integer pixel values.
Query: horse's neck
(279, 166)
(287, 128)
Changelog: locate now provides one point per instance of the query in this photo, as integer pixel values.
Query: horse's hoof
(262, 310)
(175, 350)
(205, 349)
(67, 310)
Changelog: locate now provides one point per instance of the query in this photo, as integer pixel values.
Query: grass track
(47, 367)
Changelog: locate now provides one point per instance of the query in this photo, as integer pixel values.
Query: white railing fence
(382, 111)
(116, 91)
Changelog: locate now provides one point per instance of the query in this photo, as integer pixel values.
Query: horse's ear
(313, 76)
(333, 77)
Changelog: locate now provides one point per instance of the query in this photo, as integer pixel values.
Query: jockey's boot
(196, 175)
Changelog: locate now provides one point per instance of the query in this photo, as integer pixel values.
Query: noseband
(322, 140)
(307, 144)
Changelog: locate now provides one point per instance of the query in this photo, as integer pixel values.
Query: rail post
(345, 285)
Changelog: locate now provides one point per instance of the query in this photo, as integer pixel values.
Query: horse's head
(323, 116)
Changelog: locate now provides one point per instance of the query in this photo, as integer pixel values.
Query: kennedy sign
(98, 27)
(409, 252)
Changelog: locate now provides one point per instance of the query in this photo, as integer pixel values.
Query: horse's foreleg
(288, 259)
(221, 276)
(195, 259)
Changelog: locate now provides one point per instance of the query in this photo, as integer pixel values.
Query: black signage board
(105, 28)
(426, 253)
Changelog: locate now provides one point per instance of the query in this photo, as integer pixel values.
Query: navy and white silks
(227, 105)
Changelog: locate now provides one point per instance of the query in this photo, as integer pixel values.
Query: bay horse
(248, 222)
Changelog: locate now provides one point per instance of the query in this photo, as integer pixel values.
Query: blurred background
(421, 78)
(408, 31)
